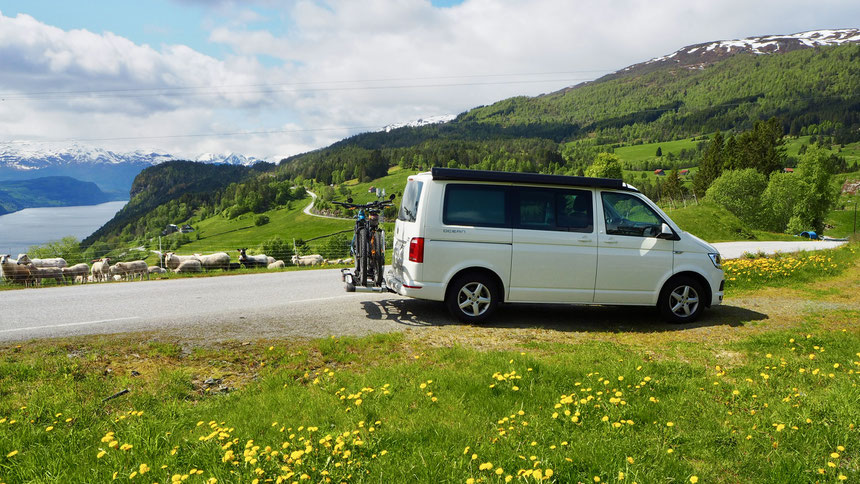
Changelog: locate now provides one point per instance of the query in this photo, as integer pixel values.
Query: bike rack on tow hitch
(349, 279)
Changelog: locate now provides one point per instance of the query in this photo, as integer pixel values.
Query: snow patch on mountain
(696, 56)
(421, 122)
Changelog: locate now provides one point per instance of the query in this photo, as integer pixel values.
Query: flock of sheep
(29, 271)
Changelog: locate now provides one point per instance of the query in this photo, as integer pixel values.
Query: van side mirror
(666, 233)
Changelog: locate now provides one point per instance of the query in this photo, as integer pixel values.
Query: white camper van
(475, 239)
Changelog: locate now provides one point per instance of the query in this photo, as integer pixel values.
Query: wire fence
(333, 248)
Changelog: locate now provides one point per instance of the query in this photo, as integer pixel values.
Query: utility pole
(855, 216)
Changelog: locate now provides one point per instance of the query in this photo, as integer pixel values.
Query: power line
(126, 95)
(273, 85)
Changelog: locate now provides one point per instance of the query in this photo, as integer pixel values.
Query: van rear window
(476, 205)
(409, 204)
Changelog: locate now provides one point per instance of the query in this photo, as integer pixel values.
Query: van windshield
(409, 203)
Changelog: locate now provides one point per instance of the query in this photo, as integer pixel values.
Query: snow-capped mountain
(699, 55)
(112, 171)
(228, 158)
(420, 122)
(35, 156)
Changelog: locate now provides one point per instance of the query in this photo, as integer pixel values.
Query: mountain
(177, 187)
(53, 191)
(228, 158)
(420, 122)
(112, 171)
(809, 81)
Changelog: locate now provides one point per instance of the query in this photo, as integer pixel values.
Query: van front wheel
(472, 298)
(681, 300)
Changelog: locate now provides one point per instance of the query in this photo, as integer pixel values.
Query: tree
(659, 152)
(812, 207)
(606, 165)
(780, 198)
(277, 248)
(672, 186)
(711, 166)
(739, 191)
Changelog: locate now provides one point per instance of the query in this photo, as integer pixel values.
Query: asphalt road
(279, 304)
(296, 304)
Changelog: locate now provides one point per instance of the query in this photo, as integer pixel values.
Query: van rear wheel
(472, 297)
(681, 300)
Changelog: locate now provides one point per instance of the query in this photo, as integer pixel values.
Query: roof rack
(532, 178)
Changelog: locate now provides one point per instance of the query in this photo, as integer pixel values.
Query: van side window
(409, 203)
(476, 205)
(628, 215)
(554, 209)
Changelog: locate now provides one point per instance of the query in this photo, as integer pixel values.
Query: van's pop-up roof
(532, 178)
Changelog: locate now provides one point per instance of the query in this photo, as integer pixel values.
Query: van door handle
(584, 239)
(610, 241)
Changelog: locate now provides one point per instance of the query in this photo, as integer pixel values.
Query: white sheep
(101, 270)
(246, 260)
(134, 268)
(78, 270)
(156, 270)
(307, 260)
(193, 265)
(40, 273)
(57, 262)
(278, 264)
(12, 271)
(218, 260)
(172, 260)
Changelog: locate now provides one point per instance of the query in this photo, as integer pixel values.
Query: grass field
(770, 399)
(648, 151)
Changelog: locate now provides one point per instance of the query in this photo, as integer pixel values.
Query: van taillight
(416, 249)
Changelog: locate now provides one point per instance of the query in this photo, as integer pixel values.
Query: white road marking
(63, 325)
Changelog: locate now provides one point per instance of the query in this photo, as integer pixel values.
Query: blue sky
(272, 78)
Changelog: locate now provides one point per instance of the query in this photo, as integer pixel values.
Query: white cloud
(347, 64)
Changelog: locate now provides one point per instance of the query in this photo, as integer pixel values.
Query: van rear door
(405, 228)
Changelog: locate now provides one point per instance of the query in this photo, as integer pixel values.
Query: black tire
(681, 300)
(473, 297)
(378, 260)
(362, 258)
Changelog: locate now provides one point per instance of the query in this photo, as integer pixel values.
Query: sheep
(12, 271)
(40, 273)
(57, 262)
(252, 260)
(234, 266)
(307, 260)
(75, 271)
(117, 272)
(270, 259)
(101, 269)
(172, 260)
(134, 268)
(278, 264)
(218, 260)
(156, 270)
(193, 265)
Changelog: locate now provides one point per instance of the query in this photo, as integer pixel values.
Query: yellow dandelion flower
(49, 428)
(629, 460)
(12, 454)
(101, 454)
(670, 424)
(834, 455)
(694, 479)
(470, 480)
(485, 466)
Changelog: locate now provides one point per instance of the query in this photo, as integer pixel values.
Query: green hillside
(52, 191)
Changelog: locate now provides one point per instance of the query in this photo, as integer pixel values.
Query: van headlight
(715, 258)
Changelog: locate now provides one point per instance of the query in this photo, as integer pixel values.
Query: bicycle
(368, 241)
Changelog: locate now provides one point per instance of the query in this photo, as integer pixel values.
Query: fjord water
(36, 226)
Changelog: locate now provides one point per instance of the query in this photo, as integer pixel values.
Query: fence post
(160, 254)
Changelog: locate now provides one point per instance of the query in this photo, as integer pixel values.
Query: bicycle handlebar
(371, 206)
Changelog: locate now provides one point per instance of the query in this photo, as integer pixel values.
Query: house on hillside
(788, 170)
(171, 228)
(659, 172)
(186, 229)
(684, 172)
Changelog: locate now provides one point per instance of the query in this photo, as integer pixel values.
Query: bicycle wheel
(362, 257)
(377, 259)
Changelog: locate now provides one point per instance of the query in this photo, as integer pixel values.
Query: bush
(739, 191)
(606, 165)
(261, 220)
(277, 248)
